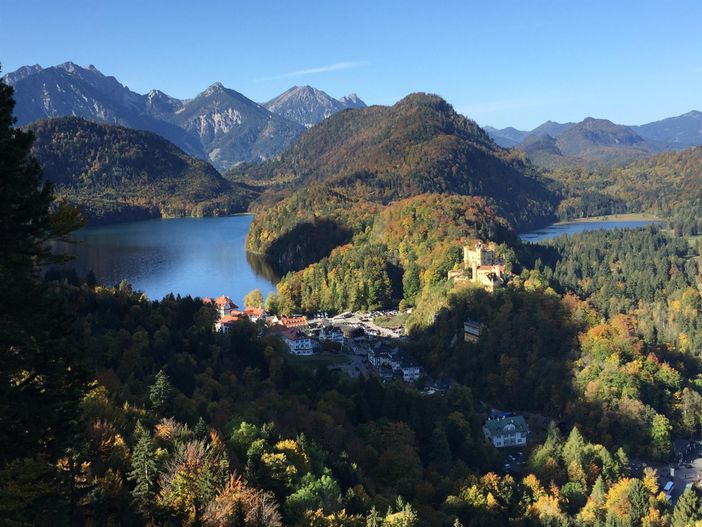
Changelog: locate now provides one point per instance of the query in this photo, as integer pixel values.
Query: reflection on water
(186, 256)
(558, 229)
(262, 268)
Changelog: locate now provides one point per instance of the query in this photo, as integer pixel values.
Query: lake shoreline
(633, 216)
(567, 228)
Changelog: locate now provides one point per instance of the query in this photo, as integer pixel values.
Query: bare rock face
(309, 106)
(219, 124)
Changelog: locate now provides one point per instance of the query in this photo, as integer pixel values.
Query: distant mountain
(590, 141)
(506, 137)
(352, 101)
(308, 106)
(673, 133)
(232, 128)
(551, 128)
(219, 124)
(676, 132)
(70, 90)
(541, 149)
(116, 173)
(594, 134)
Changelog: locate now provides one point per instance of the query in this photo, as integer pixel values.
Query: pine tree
(160, 392)
(440, 450)
(144, 470)
(639, 499)
(687, 510)
(201, 431)
(574, 447)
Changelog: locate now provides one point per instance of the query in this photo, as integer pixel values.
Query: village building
(384, 359)
(331, 334)
(255, 313)
(506, 431)
(223, 304)
(298, 343)
(298, 322)
(439, 386)
(471, 331)
(223, 325)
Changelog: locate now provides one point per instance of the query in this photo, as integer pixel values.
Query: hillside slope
(664, 184)
(591, 141)
(116, 173)
(419, 145)
(329, 188)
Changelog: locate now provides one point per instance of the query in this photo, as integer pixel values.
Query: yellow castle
(486, 268)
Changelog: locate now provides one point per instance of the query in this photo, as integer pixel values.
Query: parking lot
(687, 470)
(514, 461)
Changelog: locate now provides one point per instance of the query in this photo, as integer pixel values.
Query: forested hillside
(404, 256)
(661, 184)
(417, 146)
(351, 173)
(115, 173)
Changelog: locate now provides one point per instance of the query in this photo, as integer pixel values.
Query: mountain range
(600, 140)
(219, 124)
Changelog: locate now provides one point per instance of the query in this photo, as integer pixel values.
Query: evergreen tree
(687, 510)
(144, 470)
(411, 283)
(440, 450)
(639, 500)
(42, 377)
(160, 392)
(574, 447)
(201, 431)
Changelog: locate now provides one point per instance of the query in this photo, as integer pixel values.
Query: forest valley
(119, 410)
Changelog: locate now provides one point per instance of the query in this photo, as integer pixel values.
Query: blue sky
(511, 62)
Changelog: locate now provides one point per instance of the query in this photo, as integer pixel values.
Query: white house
(298, 343)
(506, 431)
(332, 334)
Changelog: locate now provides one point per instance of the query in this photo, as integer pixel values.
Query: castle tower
(476, 255)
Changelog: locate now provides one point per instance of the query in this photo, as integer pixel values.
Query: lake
(575, 227)
(186, 256)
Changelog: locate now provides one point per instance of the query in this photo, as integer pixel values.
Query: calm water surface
(186, 256)
(558, 229)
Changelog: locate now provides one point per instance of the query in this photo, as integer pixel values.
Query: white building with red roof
(298, 343)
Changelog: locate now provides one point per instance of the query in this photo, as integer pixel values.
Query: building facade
(506, 431)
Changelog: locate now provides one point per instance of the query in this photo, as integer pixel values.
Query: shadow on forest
(522, 359)
(305, 244)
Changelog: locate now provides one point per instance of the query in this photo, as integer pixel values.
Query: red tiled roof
(293, 322)
(225, 301)
(254, 311)
(229, 319)
(288, 333)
